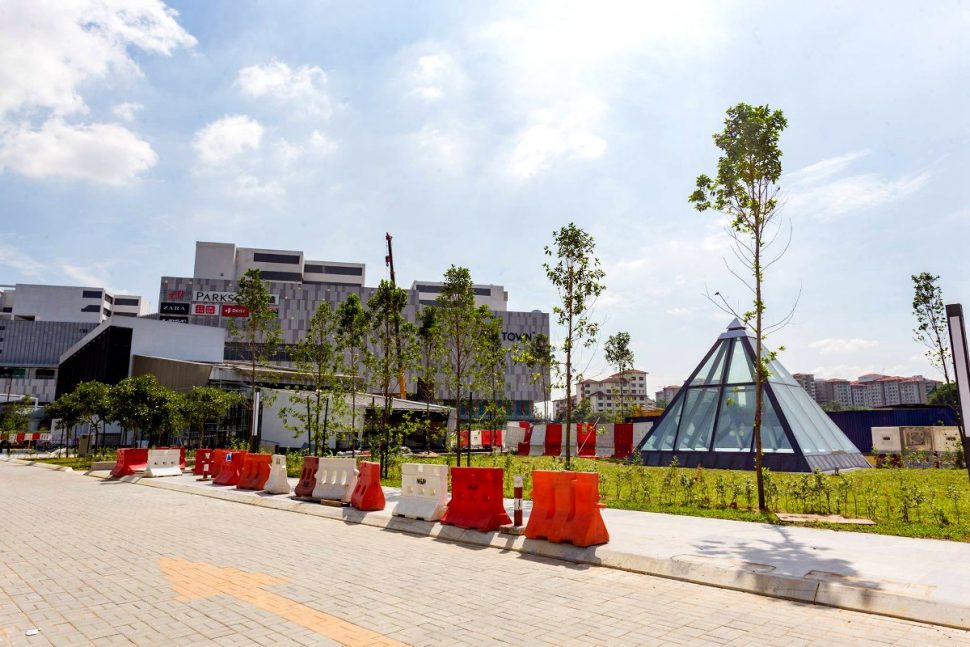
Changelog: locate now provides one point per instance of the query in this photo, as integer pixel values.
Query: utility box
(917, 438)
(886, 440)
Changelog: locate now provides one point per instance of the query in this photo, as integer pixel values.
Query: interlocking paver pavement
(81, 561)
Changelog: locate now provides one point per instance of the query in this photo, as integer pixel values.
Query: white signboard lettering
(204, 296)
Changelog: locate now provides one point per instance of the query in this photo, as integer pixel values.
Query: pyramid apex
(735, 325)
(735, 329)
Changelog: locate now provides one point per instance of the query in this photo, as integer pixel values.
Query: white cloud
(227, 137)
(126, 110)
(854, 193)
(276, 80)
(821, 170)
(16, 259)
(432, 74)
(104, 153)
(558, 135)
(94, 276)
(678, 312)
(443, 149)
(831, 345)
(247, 186)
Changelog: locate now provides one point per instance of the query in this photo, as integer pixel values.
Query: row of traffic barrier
(480, 439)
(160, 461)
(587, 439)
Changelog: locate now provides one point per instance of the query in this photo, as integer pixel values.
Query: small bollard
(517, 509)
(205, 472)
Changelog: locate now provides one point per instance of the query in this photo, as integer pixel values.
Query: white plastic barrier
(424, 491)
(514, 434)
(537, 444)
(277, 483)
(640, 430)
(604, 440)
(336, 479)
(163, 462)
(573, 440)
(476, 439)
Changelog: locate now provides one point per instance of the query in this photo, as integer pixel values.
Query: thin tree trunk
(569, 366)
(759, 382)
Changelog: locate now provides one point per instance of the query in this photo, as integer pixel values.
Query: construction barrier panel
(336, 478)
(368, 495)
(476, 499)
(553, 440)
(640, 431)
(604, 441)
(255, 472)
(462, 440)
(424, 491)
(566, 508)
(203, 460)
(128, 461)
(515, 433)
(308, 477)
(586, 439)
(537, 441)
(523, 447)
(622, 439)
(277, 483)
(181, 451)
(476, 439)
(218, 458)
(163, 462)
(231, 468)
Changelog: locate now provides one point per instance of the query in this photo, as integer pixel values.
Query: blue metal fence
(857, 425)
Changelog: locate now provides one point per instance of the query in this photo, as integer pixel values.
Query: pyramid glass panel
(662, 437)
(700, 408)
(741, 368)
(713, 368)
(711, 421)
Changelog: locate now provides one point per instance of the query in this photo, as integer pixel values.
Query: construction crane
(389, 261)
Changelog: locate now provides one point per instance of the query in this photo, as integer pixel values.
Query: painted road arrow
(193, 580)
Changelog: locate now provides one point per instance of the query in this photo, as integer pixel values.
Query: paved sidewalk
(99, 562)
(918, 579)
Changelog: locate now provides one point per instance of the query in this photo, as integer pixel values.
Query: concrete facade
(67, 303)
(29, 352)
(226, 261)
(493, 296)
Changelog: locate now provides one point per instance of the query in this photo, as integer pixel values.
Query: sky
(129, 129)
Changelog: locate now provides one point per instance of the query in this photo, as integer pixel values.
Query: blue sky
(470, 131)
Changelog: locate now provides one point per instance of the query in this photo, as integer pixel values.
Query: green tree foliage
(945, 395)
(319, 357)
(94, 403)
(459, 325)
(394, 345)
(430, 347)
(537, 354)
(352, 327)
(931, 325)
(144, 406)
(16, 414)
(746, 189)
(205, 404)
(67, 410)
(575, 272)
(259, 332)
(491, 359)
(619, 355)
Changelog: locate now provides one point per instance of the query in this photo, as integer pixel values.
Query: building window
(343, 270)
(123, 301)
(431, 289)
(260, 257)
(45, 374)
(91, 309)
(281, 276)
(91, 294)
(483, 292)
(313, 269)
(107, 297)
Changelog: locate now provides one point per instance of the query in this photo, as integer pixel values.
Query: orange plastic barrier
(523, 449)
(622, 439)
(586, 439)
(255, 472)
(566, 507)
(368, 495)
(203, 460)
(218, 458)
(476, 499)
(231, 468)
(463, 440)
(308, 477)
(553, 440)
(130, 460)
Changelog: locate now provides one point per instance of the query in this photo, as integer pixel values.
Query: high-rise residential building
(620, 390)
(870, 390)
(807, 382)
(666, 395)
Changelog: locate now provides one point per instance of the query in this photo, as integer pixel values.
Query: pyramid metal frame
(782, 454)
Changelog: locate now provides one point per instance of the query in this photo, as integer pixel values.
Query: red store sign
(176, 294)
(203, 309)
(234, 311)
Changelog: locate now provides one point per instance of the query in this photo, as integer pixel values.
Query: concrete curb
(740, 576)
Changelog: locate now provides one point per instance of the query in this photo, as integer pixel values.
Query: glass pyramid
(710, 422)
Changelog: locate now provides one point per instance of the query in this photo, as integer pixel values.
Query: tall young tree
(68, 411)
(94, 404)
(537, 354)
(16, 414)
(931, 325)
(142, 404)
(619, 355)
(352, 326)
(490, 361)
(575, 272)
(259, 332)
(458, 320)
(429, 342)
(745, 189)
(392, 339)
(317, 355)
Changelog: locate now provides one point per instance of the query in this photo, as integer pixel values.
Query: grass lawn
(906, 502)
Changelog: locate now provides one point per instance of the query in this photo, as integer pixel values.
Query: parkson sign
(204, 296)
